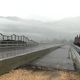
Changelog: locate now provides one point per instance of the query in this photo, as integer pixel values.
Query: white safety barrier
(76, 58)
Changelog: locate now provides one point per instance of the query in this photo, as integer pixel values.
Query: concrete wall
(11, 63)
(76, 59)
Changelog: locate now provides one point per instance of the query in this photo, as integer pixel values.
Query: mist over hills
(66, 28)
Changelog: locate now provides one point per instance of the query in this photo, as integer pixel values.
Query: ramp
(58, 59)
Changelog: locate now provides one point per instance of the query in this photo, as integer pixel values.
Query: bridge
(18, 51)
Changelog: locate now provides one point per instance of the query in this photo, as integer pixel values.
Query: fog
(66, 28)
(41, 19)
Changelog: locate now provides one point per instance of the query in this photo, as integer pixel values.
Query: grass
(33, 74)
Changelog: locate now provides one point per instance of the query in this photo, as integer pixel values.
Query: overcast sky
(45, 10)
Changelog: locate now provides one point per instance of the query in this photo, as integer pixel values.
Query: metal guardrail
(77, 49)
(76, 58)
(13, 37)
(16, 40)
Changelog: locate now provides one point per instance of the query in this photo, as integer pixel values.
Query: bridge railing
(15, 40)
(76, 58)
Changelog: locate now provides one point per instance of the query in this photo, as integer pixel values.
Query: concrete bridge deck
(48, 56)
(14, 58)
(17, 52)
(58, 59)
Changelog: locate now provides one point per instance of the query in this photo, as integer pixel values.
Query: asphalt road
(12, 53)
(58, 59)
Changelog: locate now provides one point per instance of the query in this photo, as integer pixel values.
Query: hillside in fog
(63, 29)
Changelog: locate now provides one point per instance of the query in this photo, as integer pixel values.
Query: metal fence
(15, 40)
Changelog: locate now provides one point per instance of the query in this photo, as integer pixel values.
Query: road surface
(58, 59)
(12, 53)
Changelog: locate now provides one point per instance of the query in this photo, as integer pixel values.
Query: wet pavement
(17, 52)
(58, 59)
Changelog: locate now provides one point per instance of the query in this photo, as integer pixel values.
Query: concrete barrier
(11, 63)
(76, 58)
(77, 48)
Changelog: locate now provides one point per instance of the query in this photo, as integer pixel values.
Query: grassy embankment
(33, 74)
